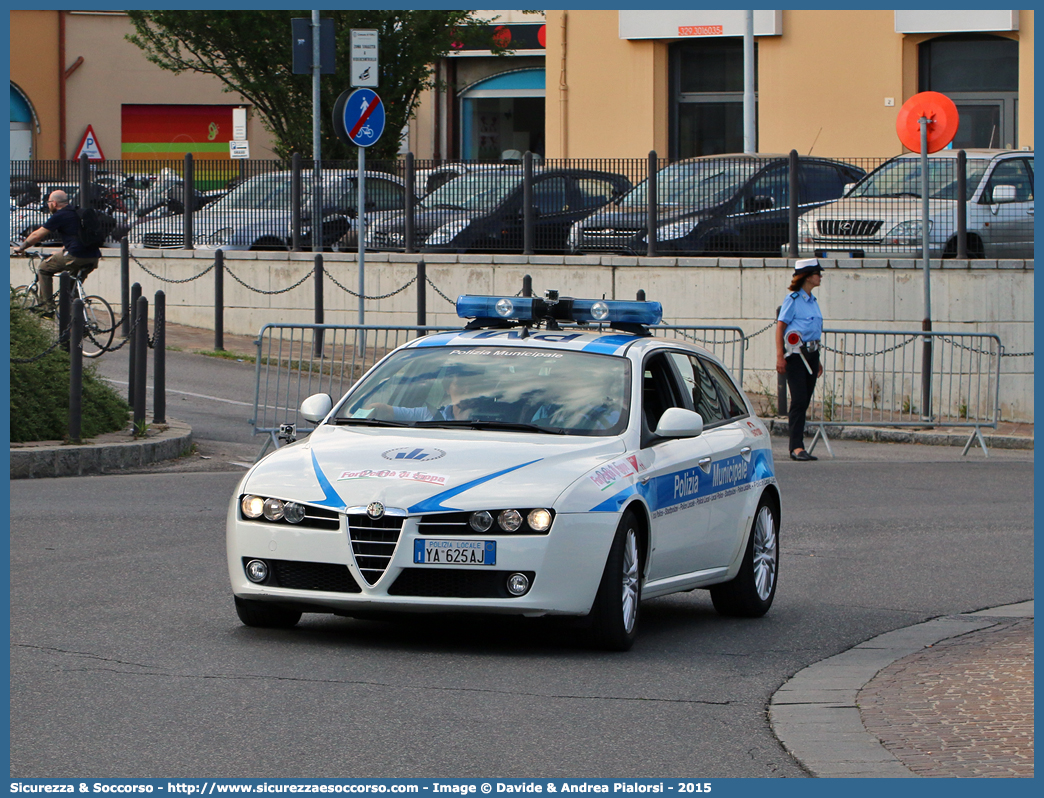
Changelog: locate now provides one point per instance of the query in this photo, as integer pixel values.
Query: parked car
(430, 179)
(257, 213)
(881, 215)
(714, 205)
(482, 210)
(511, 468)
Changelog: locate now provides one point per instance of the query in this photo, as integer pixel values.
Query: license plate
(455, 552)
(839, 253)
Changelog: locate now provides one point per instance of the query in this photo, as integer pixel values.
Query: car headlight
(219, 237)
(446, 233)
(907, 233)
(521, 521)
(804, 229)
(257, 507)
(669, 232)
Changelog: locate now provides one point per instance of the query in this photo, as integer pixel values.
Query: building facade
(621, 83)
(587, 83)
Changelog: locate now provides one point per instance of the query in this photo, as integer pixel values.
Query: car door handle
(745, 452)
(705, 463)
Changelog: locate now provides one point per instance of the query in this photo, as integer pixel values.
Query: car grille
(456, 525)
(453, 583)
(373, 543)
(330, 577)
(849, 227)
(162, 240)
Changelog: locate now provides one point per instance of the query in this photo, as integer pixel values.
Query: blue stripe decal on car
(331, 499)
(694, 484)
(609, 344)
(438, 339)
(434, 504)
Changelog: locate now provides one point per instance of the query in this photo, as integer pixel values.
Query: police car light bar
(529, 310)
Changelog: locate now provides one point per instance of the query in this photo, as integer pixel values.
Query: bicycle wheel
(99, 326)
(25, 297)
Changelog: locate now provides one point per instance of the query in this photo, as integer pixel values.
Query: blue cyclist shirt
(800, 312)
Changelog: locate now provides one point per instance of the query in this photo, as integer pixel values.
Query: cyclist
(75, 258)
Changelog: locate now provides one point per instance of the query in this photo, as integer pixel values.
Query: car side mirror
(316, 407)
(677, 422)
(1003, 193)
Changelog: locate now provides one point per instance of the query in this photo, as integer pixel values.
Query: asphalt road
(128, 659)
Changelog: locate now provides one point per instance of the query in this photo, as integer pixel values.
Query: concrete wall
(967, 296)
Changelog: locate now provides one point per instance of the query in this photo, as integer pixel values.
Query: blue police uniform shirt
(800, 312)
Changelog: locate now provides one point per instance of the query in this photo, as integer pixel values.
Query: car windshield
(695, 185)
(902, 178)
(478, 192)
(487, 387)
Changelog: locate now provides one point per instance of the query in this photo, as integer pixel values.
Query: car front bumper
(565, 567)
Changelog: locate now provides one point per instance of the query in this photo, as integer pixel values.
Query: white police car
(519, 467)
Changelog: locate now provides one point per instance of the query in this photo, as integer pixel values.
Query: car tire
(749, 594)
(264, 615)
(617, 605)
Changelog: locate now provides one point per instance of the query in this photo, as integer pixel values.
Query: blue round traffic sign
(360, 116)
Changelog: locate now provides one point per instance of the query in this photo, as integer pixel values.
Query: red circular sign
(542, 35)
(501, 36)
(942, 118)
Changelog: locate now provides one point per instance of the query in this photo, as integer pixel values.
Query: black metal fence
(714, 206)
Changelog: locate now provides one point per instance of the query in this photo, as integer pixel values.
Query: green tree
(250, 52)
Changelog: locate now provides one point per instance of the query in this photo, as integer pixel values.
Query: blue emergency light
(532, 310)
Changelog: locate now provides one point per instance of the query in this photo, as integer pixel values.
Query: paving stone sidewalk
(962, 708)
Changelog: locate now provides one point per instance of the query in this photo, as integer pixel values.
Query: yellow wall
(34, 69)
(822, 85)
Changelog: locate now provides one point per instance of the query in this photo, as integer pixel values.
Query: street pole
(749, 137)
(317, 189)
(926, 324)
(360, 226)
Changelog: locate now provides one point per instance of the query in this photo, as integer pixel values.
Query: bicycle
(99, 322)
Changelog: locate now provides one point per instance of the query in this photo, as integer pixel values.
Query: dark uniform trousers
(801, 385)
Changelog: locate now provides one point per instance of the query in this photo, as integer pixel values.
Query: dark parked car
(483, 210)
(717, 204)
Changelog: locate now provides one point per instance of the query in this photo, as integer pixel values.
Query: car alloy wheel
(765, 554)
(630, 598)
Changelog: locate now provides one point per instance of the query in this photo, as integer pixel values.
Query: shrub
(40, 388)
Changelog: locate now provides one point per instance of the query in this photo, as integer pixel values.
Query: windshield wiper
(369, 422)
(480, 424)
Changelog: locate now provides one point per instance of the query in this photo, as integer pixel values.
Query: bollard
(781, 382)
(317, 341)
(650, 206)
(411, 205)
(141, 342)
(527, 286)
(159, 361)
(125, 316)
(135, 295)
(76, 372)
(219, 300)
(528, 215)
(64, 305)
(422, 294)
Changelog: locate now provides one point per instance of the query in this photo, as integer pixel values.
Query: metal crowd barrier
(875, 378)
(295, 361)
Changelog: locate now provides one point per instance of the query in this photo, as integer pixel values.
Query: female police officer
(800, 315)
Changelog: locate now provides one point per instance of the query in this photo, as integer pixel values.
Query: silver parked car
(881, 215)
(257, 214)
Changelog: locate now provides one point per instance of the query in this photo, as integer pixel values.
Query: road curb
(815, 714)
(104, 455)
(779, 428)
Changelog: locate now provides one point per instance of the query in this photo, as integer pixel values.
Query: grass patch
(40, 388)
